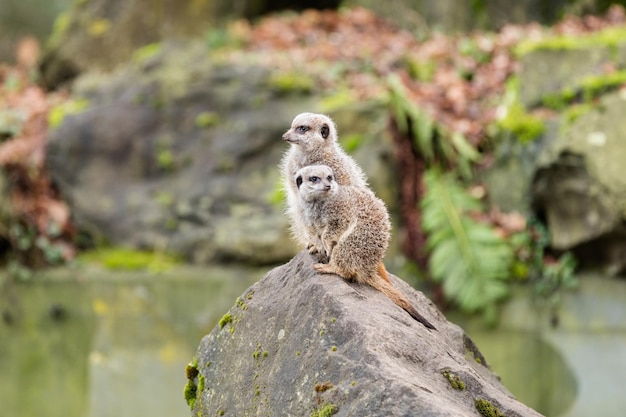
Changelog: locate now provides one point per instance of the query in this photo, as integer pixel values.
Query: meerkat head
(311, 131)
(315, 182)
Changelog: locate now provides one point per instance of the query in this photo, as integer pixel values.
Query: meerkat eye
(314, 179)
(330, 178)
(302, 129)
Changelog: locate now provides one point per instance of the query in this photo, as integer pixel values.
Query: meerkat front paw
(324, 269)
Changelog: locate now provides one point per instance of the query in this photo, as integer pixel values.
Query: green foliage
(587, 89)
(131, 260)
(58, 113)
(548, 276)
(206, 119)
(471, 261)
(326, 410)
(146, 52)
(291, 82)
(516, 119)
(434, 143)
(30, 249)
(487, 409)
(610, 37)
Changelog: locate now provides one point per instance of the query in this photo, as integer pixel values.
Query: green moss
(191, 370)
(352, 142)
(227, 318)
(610, 37)
(206, 119)
(190, 393)
(57, 114)
(487, 409)
(341, 98)
(421, 70)
(587, 89)
(131, 260)
(326, 410)
(291, 82)
(146, 52)
(201, 383)
(241, 304)
(61, 24)
(572, 113)
(98, 27)
(277, 196)
(523, 125)
(165, 160)
(454, 380)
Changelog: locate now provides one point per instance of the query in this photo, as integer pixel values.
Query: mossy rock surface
(304, 344)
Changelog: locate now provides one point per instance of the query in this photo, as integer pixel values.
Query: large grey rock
(297, 342)
(551, 70)
(178, 154)
(580, 184)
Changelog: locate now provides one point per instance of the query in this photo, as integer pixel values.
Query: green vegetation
(454, 380)
(487, 409)
(471, 261)
(226, 318)
(517, 120)
(57, 114)
(206, 119)
(115, 258)
(435, 144)
(190, 393)
(191, 390)
(146, 52)
(291, 82)
(548, 276)
(327, 409)
(585, 91)
(610, 37)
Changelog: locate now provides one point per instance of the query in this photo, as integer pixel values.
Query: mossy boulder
(175, 152)
(563, 63)
(580, 186)
(141, 167)
(299, 343)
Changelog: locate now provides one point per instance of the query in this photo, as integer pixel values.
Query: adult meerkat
(313, 140)
(351, 226)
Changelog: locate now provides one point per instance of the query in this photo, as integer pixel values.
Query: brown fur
(313, 139)
(350, 227)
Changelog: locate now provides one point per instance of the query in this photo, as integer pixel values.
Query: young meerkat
(351, 227)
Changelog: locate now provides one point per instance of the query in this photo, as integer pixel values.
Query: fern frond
(466, 256)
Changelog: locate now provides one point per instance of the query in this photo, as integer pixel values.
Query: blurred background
(140, 194)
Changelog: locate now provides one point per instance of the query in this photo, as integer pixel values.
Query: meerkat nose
(327, 187)
(286, 137)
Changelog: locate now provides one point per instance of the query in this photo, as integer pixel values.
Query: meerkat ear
(325, 131)
(299, 181)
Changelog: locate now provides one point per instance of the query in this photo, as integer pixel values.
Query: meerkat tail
(382, 271)
(399, 299)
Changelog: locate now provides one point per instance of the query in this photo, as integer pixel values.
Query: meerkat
(351, 228)
(313, 140)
